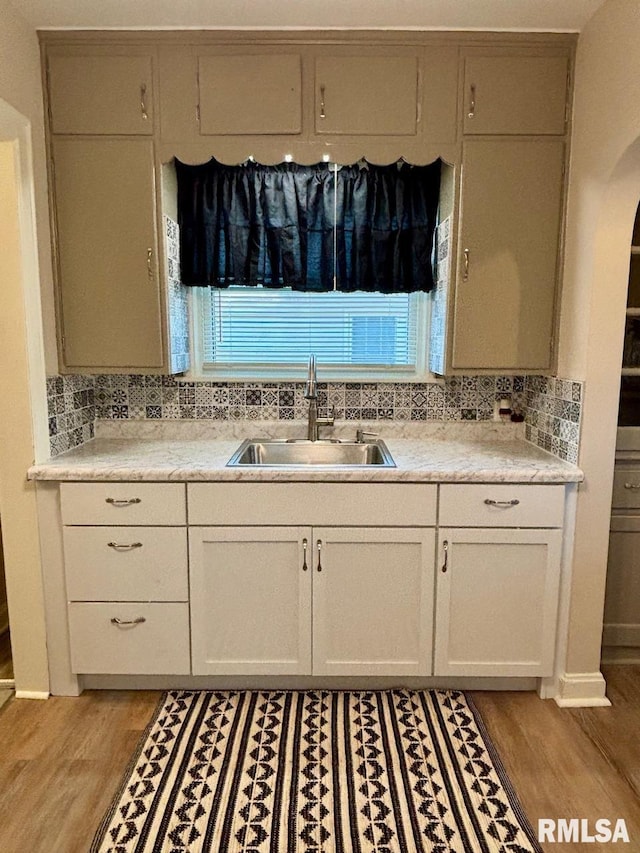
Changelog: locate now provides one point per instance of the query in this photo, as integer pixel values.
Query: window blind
(249, 325)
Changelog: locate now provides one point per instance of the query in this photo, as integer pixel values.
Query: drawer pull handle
(123, 502)
(445, 548)
(138, 621)
(143, 102)
(632, 486)
(304, 555)
(322, 110)
(472, 101)
(129, 546)
(490, 502)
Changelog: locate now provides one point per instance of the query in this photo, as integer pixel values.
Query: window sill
(299, 374)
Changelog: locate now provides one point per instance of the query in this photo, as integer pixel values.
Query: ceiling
(504, 15)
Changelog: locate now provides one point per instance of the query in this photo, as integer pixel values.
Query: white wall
(25, 273)
(604, 190)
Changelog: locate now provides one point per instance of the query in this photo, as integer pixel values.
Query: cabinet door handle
(150, 264)
(304, 555)
(632, 486)
(490, 502)
(123, 501)
(322, 111)
(465, 265)
(319, 547)
(143, 101)
(138, 621)
(445, 548)
(472, 101)
(129, 546)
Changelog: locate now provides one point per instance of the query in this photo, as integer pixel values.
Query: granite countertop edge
(417, 460)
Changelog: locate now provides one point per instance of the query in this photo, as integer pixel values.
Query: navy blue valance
(299, 226)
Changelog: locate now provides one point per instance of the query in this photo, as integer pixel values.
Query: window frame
(276, 372)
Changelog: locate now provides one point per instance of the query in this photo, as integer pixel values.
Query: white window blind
(244, 326)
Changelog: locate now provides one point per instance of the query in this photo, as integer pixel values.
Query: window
(262, 333)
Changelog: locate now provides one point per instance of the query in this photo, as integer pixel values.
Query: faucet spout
(311, 394)
(311, 387)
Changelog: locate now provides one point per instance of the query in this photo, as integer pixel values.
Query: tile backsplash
(71, 411)
(553, 411)
(551, 407)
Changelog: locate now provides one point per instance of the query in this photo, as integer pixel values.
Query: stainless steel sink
(332, 453)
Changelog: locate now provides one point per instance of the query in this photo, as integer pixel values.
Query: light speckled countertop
(196, 452)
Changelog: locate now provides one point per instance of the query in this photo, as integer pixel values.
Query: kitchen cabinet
(366, 95)
(498, 574)
(509, 231)
(110, 300)
(302, 601)
(323, 600)
(622, 597)
(97, 93)
(125, 548)
(250, 93)
(515, 94)
(250, 600)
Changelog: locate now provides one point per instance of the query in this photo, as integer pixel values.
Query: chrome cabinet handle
(117, 546)
(322, 111)
(445, 547)
(304, 555)
(465, 262)
(150, 264)
(632, 486)
(143, 101)
(123, 502)
(138, 621)
(319, 547)
(490, 502)
(472, 101)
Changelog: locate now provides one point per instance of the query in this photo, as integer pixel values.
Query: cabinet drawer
(159, 645)
(501, 505)
(363, 504)
(126, 563)
(626, 488)
(123, 503)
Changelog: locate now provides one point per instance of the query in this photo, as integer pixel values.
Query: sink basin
(275, 452)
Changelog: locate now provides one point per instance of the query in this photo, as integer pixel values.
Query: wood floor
(61, 760)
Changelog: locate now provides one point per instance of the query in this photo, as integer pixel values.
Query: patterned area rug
(397, 771)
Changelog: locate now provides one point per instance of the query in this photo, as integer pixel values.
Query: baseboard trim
(582, 690)
(32, 694)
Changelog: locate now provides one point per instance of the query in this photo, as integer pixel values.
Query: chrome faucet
(311, 394)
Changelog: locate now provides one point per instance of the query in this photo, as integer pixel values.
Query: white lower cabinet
(302, 600)
(497, 601)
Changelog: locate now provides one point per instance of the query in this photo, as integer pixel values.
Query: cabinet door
(372, 601)
(622, 600)
(508, 253)
(107, 260)
(373, 95)
(250, 94)
(496, 601)
(515, 94)
(250, 600)
(101, 94)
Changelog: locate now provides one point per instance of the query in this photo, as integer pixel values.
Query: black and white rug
(397, 771)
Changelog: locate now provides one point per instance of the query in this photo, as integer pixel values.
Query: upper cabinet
(511, 208)
(510, 94)
(366, 95)
(250, 94)
(100, 94)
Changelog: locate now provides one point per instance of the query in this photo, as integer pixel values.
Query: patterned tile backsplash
(551, 407)
(553, 410)
(72, 411)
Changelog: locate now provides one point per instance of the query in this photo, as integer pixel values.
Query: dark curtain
(293, 226)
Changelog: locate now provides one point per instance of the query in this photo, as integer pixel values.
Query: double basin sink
(329, 453)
